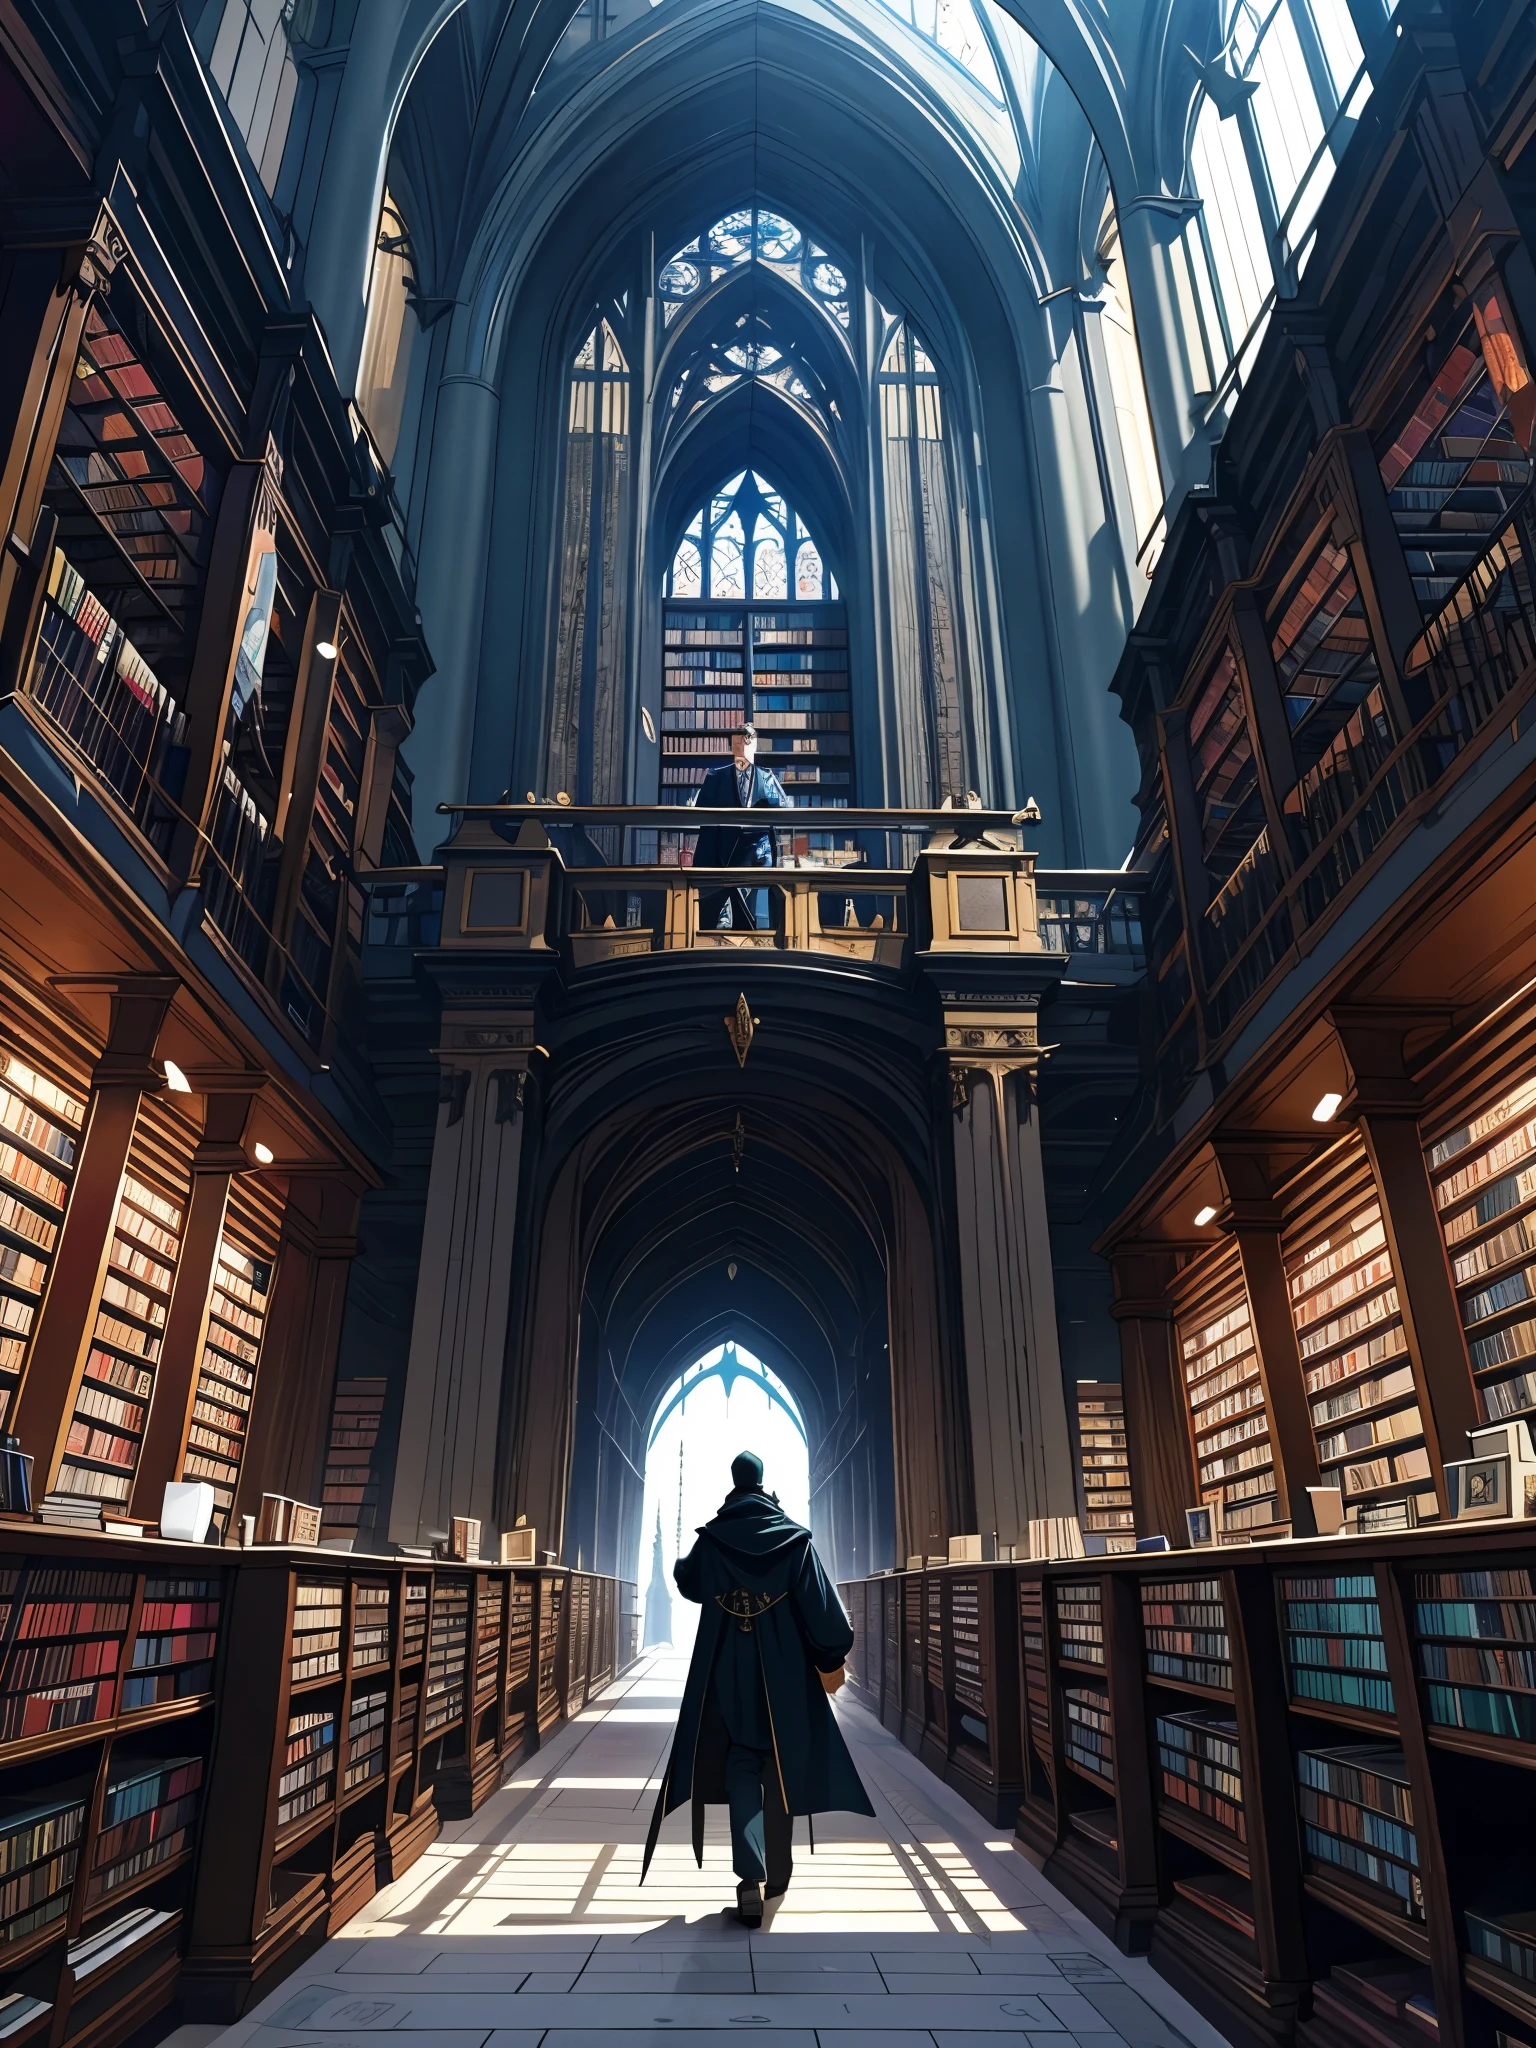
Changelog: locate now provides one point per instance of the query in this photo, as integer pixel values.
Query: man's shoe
(749, 1903)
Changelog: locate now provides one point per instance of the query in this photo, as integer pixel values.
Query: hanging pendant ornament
(740, 1026)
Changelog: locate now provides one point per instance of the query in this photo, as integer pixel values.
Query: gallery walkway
(526, 1925)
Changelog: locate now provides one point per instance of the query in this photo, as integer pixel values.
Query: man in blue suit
(743, 783)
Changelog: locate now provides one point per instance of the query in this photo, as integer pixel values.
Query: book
(1505, 1936)
(1224, 1895)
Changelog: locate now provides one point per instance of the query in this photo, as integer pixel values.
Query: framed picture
(1204, 1525)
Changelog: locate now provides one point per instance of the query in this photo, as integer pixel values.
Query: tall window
(245, 44)
(953, 27)
(1277, 115)
(1128, 392)
(747, 542)
(927, 642)
(586, 732)
(754, 629)
(388, 334)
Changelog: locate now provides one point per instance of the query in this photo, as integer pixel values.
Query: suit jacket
(719, 845)
(796, 1628)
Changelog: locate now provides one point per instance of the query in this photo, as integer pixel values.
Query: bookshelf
(231, 1348)
(153, 1695)
(1484, 1177)
(1361, 1387)
(40, 1123)
(1228, 1419)
(1273, 1768)
(1106, 1465)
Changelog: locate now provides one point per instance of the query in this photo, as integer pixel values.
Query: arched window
(953, 27)
(757, 350)
(1278, 110)
(927, 643)
(753, 234)
(389, 333)
(740, 545)
(587, 723)
(1128, 392)
(247, 46)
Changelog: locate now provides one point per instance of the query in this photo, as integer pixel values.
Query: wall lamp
(1327, 1108)
(1204, 1216)
(327, 649)
(264, 1154)
(176, 1080)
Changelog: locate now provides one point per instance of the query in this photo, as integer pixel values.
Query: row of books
(308, 1777)
(178, 1634)
(1357, 1816)
(1505, 1935)
(316, 1630)
(1089, 1736)
(448, 1655)
(1335, 1653)
(1202, 1767)
(370, 1624)
(147, 1820)
(1184, 1624)
(1080, 1623)
(365, 1737)
(1476, 1645)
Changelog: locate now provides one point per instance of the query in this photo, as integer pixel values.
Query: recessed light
(326, 649)
(1327, 1108)
(264, 1154)
(176, 1080)
(1205, 1215)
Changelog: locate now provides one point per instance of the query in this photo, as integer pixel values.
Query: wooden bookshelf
(1352, 1932)
(141, 1683)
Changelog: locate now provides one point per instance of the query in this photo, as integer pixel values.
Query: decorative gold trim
(739, 1029)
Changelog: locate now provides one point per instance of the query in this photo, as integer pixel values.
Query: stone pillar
(61, 1338)
(1021, 1444)
(450, 588)
(218, 1158)
(448, 1430)
(1164, 1481)
(1176, 383)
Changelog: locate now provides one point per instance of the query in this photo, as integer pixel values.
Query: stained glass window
(748, 534)
(754, 234)
(954, 27)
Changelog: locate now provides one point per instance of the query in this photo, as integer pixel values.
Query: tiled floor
(527, 1925)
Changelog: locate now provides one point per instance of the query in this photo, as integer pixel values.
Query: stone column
(1176, 384)
(448, 1429)
(61, 1338)
(1021, 1445)
(450, 589)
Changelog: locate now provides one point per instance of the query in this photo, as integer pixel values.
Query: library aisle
(526, 1927)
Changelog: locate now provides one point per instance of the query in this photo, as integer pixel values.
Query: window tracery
(754, 234)
(954, 27)
(740, 545)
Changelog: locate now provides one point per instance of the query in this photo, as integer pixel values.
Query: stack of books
(1185, 1625)
(965, 1637)
(62, 1666)
(1333, 1642)
(39, 1845)
(413, 1639)
(1202, 1767)
(316, 1630)
(1090, 1742)
(1080, 1623)
(1505, 1936)
(146, 1820)
(1353, 1995)
(366, 1720)
(70, 1511)
(178, 1634)
(309, 1764)
(1357, 1816)
(1477, 1648)
(370, 1624)
(18, 2009)
(449, 1654)
(93, 1951)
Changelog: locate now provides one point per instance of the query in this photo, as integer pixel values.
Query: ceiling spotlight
(730, 1271)
(176, 1080)
(264, 1153)
(1205, 1215)
(327, 649)
(1327, 1108)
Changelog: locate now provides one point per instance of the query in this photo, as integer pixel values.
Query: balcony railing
(93, 686)
(1475, 663)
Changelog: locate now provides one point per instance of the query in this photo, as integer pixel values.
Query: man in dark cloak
(756, 1730)
(740, 782)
